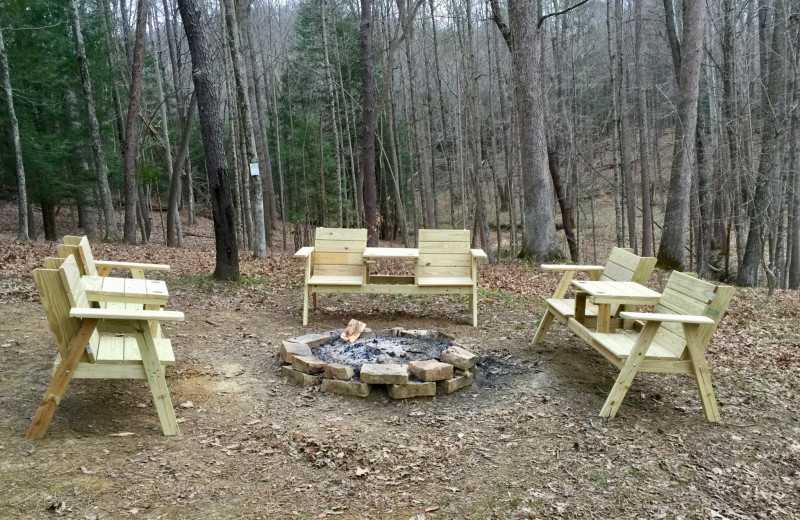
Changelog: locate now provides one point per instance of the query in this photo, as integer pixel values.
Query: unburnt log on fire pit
(410, 363)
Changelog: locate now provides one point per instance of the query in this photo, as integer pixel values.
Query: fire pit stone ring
(408, 362)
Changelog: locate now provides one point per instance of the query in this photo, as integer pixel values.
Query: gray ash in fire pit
(380, 349)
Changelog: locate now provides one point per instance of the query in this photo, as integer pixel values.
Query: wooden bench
(447, 265)
(337, 263)
(674, 339)
(334, 264)
(622, 266)
(79, 247)
(95, 343)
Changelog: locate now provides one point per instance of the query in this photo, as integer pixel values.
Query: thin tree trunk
(94, 127)
(644, 140)
(268, 185)
(332, 102)
(243, 101)
(772, 108)
(131, 149)
(22, 196)
(369, 121)
(173, 217)
(174, 233)
(623, 127)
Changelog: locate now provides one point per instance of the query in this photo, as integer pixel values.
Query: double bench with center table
(339, 262)
(673, 338)
(123, 342)
(622, 266)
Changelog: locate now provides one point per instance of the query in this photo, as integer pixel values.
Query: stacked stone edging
(454, 371)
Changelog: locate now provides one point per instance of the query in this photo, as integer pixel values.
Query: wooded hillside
(516, 119)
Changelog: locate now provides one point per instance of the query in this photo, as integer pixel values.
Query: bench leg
(61, 377)
(629, 369)
(156, 379)
(544, 326)
(305, 305)
(701, 373)
(474, 305)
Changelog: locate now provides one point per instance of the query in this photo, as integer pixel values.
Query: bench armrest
(113, 314)
(571, 267)
(478, 254)
(131, 265)
(674, 318)
(304, 252)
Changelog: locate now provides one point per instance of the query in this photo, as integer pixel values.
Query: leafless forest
(516, 119)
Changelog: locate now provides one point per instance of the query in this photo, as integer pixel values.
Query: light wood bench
(95, 343)
(622, 266)
(674, 339)
(79, 247)
(334, 264)
(338, 263)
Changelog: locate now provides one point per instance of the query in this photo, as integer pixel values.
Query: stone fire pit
(409, 363)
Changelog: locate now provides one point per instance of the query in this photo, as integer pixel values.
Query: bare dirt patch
(523, 442)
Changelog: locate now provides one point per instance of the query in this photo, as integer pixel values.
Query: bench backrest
(339, 251)
(624, 266)
(60, 289)
(687, 295)
(444, 252)
(79, 247)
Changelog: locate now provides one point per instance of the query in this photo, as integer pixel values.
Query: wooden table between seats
(607, 293)
(152, 294)
(383, 253)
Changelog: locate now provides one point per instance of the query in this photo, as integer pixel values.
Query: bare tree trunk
(369, 118)
(623, 127)
(94, 127)
(332, 102)
(22, 196)
(227, 258)
(268, 187)
(475, 137)
(131, 149)
(524, 40)
(673, 237)
(83, 200)
(772, 109)
(174, 233)
(644, 140)
(173, 217)
(243, 101)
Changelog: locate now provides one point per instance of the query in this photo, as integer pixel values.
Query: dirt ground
(524, 442)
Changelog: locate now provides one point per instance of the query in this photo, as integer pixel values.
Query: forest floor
(524, 442)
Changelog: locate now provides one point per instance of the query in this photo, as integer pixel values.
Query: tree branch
(565, 11)
(497, 16)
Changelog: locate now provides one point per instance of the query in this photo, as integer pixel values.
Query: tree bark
(676, 215)
(523, 37)
(131, 148)
(369, 121)
(772, 109)
(94, 127)
(209, 106)
(243, 101)
(22, 196)
(644, 140)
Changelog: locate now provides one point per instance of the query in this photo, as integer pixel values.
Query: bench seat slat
(450, 281)
(622, 344)
(320, 279)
